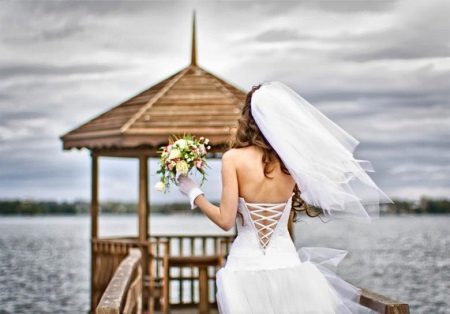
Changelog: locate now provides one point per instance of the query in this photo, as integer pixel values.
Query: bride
(286, 157)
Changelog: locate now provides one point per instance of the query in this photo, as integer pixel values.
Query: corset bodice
(263, 239)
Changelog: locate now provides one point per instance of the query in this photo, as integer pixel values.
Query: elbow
(227, 226)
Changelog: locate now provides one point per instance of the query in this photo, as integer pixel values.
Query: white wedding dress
(264, 273)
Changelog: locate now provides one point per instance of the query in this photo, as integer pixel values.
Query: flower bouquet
(179, 157)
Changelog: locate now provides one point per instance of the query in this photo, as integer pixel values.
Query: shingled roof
(191, 101)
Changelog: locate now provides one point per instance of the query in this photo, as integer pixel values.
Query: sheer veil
(318, 154)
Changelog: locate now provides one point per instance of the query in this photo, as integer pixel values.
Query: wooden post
(94, 222)
(94, 196)
(203, 306)
(143, 211)
(165, 307)
(143, 198)
(194, 42)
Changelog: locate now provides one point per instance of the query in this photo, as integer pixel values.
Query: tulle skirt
(310, 287)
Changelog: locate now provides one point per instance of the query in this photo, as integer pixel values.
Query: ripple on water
(44, 261)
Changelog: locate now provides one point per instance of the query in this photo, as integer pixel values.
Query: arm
(223, 215)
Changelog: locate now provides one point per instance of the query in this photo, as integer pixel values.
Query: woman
(283, 147)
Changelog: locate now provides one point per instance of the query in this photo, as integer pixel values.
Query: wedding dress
(264, 273)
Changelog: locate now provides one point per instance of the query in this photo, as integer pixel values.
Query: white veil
(318, 154)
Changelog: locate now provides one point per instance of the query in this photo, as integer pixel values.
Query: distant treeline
(34, 207)
(424, 206)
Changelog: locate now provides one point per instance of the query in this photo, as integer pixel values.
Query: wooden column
(94, 196)
(143, 198)
(143, 210)
(94, 222)
(203, 306)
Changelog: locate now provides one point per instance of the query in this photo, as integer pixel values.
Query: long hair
(248, 134)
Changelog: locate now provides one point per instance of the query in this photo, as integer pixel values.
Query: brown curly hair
(248, 134)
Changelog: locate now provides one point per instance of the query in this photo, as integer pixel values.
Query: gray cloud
(48, 34)
(39, 69)
(379, 69)
(351, 6)
(278, 35)
(340, 7)
(413, 36)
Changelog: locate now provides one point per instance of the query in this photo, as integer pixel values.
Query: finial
(194, 42)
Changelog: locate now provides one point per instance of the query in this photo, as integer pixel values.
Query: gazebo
(192, 101)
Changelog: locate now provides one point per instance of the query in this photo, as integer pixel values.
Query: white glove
(190, 188)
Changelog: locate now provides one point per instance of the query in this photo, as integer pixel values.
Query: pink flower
(198, 163)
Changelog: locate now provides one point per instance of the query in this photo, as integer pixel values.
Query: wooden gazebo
(191, 101)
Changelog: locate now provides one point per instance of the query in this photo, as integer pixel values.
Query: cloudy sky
(380, 69)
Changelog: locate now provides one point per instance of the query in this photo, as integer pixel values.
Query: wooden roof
(191, 101)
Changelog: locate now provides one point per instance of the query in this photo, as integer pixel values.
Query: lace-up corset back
(264, 219)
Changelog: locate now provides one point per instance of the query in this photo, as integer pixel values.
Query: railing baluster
(216, 252)
(191, 280)
(203, 245)
(158, 242)
(180, 286)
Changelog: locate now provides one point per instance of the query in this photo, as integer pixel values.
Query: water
(44, 261)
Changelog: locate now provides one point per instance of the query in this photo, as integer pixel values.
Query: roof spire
(194, 42)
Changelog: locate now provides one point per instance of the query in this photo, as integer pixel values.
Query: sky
(379, 69)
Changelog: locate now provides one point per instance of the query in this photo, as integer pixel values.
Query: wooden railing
(123, 295)
(178, 271)
(382, 304)
(183, 284)
(185, 264)
(107, 254)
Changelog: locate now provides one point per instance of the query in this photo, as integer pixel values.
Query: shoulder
(234, 155)
(230, 155)
(238, 153)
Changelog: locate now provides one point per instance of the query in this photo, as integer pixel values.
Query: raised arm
(223, 215)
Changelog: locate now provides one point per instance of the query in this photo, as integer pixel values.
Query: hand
(190, 188)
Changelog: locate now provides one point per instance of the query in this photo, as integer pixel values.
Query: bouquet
(179, 157)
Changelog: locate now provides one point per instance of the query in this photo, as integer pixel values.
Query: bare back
(254, 187)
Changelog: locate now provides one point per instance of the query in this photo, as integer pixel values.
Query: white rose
(174, 153)
(182, 167)
(160, 186)
(181, 143)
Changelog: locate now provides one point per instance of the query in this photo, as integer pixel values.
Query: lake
(44, 261)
